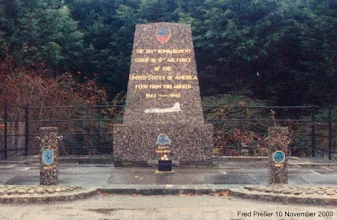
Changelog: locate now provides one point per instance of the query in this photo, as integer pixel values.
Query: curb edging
(161, 191)
(48, 198)
(284, 198)
(238, 192)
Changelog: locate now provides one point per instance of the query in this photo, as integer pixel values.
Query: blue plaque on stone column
(279, 157)
(48, 156)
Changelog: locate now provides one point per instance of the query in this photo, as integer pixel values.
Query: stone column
(49, 145)
(277, 141)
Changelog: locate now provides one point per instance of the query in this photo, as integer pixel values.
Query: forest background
(281, 51)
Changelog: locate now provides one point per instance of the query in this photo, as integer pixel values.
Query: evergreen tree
(283, 51)
(42, 31)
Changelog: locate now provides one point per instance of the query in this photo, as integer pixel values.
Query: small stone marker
(163, 97)
(165, 165)
(164, 153)
(49, 145)
(278, 140)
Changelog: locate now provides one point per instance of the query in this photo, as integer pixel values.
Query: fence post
(99, 136)
(6, 129)
(330, 131)
(313, 133)
(26, 129)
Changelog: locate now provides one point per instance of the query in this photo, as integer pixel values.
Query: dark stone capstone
(164, 165)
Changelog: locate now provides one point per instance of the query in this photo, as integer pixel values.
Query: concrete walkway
(310, 180)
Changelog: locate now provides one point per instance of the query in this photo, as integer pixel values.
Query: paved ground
(301, 172)
(310, 180)
(115, 207)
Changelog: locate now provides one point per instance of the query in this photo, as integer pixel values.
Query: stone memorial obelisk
(163, 98)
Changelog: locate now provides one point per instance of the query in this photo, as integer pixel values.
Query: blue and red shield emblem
(163, 35)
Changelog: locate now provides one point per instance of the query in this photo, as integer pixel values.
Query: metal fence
(13, 132)
(87, 130)
(312, 129)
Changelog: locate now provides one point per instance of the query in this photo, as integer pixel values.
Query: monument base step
(189, 142)
(164, 172)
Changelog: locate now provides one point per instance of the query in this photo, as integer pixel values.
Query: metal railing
(88, 129)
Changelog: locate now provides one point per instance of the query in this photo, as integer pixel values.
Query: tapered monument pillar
(163, 98)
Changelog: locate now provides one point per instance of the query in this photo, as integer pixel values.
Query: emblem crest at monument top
(163, 35)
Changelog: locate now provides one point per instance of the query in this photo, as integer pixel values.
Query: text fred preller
(248, 214)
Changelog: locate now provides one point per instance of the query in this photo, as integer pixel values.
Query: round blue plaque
(279, 157)
(48, 156)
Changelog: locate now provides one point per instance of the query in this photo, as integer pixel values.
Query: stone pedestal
(277, 141)
(49, 145)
